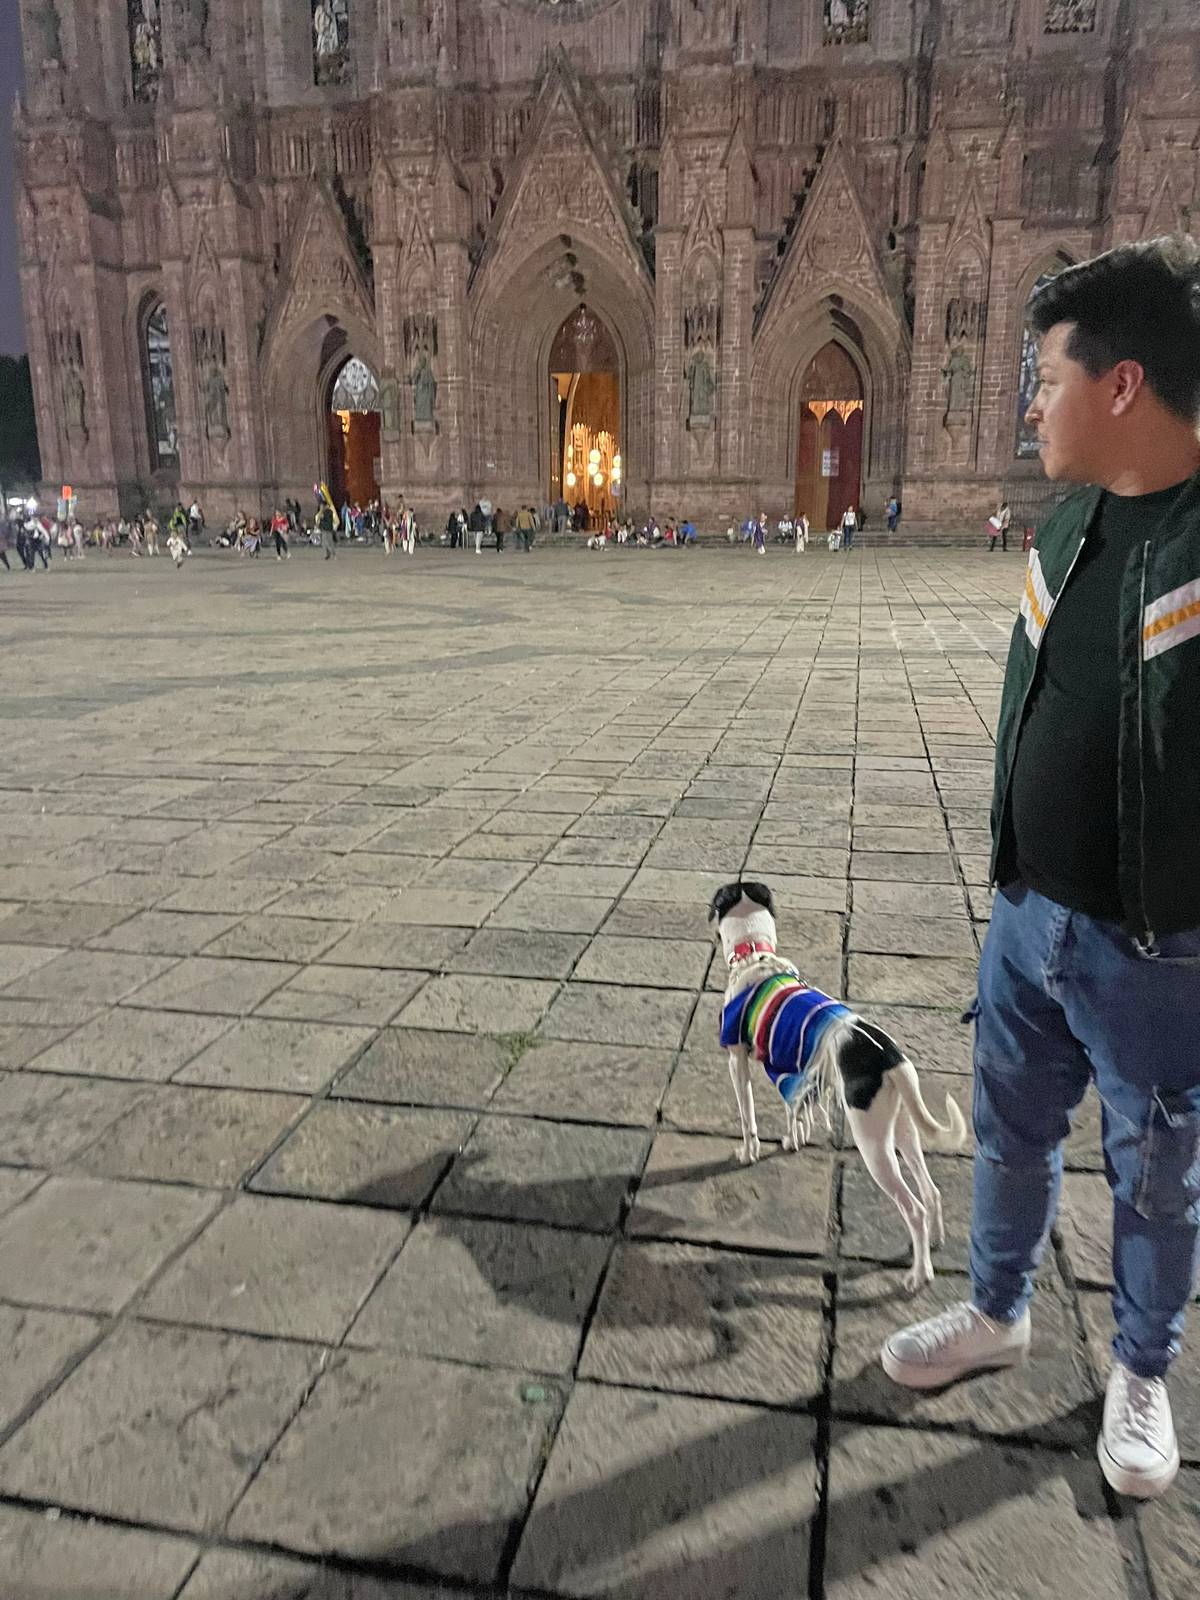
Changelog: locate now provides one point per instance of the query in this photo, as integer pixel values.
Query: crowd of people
(36, 536)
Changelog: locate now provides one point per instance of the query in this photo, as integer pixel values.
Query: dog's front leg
(739, 1071)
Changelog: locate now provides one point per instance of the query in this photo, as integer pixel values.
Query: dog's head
(744, 913)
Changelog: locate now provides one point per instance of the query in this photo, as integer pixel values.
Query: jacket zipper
(1148, 935)
(1037, 653)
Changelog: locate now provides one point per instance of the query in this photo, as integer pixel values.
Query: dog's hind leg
(873, 1131)
(908, 1142)
(739, 1071)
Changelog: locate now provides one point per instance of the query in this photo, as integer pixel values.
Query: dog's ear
(760, 894)
(726, 897)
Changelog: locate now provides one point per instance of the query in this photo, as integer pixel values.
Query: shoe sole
(911, 1375)
(1136, 1485)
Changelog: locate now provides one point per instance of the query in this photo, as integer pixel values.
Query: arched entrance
(829, 455)
(353, 427)
(586, 465)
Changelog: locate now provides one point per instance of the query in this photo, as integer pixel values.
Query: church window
(330, 41)
(355, 389)
(1027, 379)
(846, 21)
(1071, 16)
(145, 47)
(158, 381)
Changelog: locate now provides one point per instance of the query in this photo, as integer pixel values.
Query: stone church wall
(434, 185)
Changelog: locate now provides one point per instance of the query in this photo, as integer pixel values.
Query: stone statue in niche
(192, 25)
(67, 350)
(705, 21)
(145, 47)
(959, 374)
(331, 41)
(46, 33)
(210, 375)
(702, 387)
(424, 387)
(389, 406)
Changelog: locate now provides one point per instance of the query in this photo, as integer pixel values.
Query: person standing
(176, 546)
(1091, 966)
(524, 528)
(758, 534)
(849, 527)
(893, 514)
(279, 529)
(326, 521)
(999, 522)
(801, 533)
(5, 540)
(195, 524)
(150, 529)
(500, 521)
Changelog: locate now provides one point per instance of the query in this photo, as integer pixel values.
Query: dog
(819, 1052)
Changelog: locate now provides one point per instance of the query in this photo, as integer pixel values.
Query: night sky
(12, 325)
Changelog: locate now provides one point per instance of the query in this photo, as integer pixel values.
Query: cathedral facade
(706, 256)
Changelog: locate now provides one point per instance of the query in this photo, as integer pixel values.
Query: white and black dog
(818, 1052)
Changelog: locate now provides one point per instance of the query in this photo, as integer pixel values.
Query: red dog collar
(750, 948)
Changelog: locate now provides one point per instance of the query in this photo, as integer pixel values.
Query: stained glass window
(355, 389)
(159, 382)
(145, 47)
(847, 21)
(1027, 380)
(1071, 16)
(330, 41)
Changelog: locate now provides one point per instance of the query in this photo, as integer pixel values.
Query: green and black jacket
(1158, 801)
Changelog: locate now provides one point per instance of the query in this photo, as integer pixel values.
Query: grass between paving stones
(514, 1046)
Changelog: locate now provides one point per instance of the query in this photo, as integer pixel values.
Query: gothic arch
(1045, 263)
(878, 348)
(157, 381)
(514, 319)
(299, 368)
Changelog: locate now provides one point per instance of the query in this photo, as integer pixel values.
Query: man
(999, 522)
(1091, 968)
(893, 514)
(524, 529)
(326, 522)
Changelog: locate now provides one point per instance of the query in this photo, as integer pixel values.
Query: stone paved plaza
(371, 1224)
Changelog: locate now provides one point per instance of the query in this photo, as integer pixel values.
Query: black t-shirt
(1063, 799)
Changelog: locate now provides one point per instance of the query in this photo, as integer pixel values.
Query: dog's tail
(908, 1085)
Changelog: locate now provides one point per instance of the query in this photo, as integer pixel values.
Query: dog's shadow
(687, 1289)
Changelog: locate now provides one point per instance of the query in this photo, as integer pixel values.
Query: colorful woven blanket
(781, 1021)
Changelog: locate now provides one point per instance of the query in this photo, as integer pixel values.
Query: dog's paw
(749, 1151)
(917, 1278)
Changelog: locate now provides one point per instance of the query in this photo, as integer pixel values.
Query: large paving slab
(371, 1224)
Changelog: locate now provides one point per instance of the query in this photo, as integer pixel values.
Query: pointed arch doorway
(830, 449)
(586, 464)
(353, 429)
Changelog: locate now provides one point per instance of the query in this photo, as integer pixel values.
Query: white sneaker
(1137, 1449)
(958, 1341)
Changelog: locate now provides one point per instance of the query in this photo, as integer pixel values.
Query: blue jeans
(1064, 998)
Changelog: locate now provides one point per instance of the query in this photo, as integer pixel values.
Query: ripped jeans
(1064, 998)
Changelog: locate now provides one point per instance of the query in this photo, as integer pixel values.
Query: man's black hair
(1139, 302)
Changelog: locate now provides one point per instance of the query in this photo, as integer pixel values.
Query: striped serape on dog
(782, 1021)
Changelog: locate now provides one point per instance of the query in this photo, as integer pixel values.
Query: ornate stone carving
(191, 25)
(1070, 16)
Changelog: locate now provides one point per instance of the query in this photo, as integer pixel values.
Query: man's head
(1118, 358)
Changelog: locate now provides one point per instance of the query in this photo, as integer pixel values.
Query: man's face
(1072, 412)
